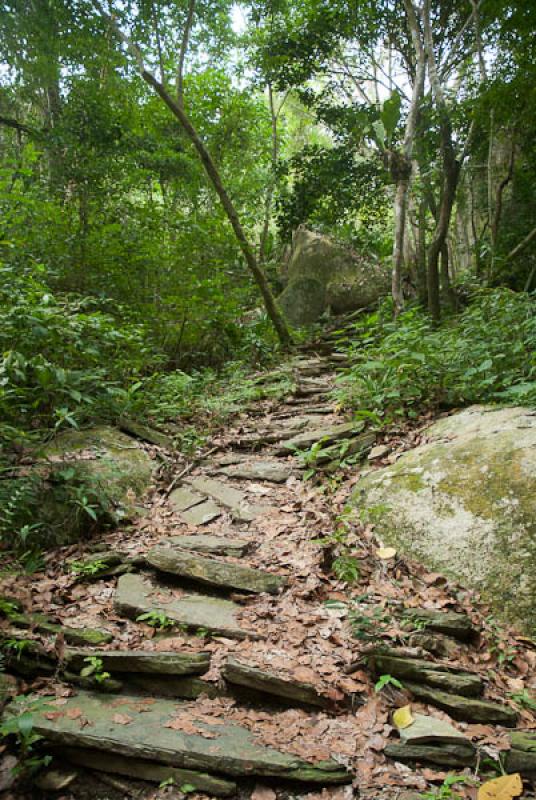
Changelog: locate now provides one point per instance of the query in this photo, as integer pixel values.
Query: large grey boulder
(320, 273)
(465, 503)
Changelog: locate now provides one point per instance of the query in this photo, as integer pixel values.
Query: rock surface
(152, 662)
(259, 471)
(149, 771)
(471, 486)
(252, 677)
(111, 464)
(467, 709)
(145, 731)
(415, 669)
(212, 572)
(136, 595)
(206, 543)
(321, 274)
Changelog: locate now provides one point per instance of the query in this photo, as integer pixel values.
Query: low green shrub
(485, 354)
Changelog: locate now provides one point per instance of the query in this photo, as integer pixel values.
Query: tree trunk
(270, 302)
(404, 167)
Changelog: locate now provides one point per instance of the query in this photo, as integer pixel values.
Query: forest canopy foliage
(157, 157)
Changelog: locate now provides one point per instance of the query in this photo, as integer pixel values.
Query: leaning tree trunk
(177, 109)
(270, 302)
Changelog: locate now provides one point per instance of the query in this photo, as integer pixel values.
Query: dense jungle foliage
(156, 158)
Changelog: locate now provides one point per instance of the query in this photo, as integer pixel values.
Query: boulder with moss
(465, 503)
(80, 481)
(322, 274)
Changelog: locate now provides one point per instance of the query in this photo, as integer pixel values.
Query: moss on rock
(464, 503)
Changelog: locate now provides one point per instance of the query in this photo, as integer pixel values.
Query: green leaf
(390, 115)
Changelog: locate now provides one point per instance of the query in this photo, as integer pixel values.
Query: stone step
(146, 661)
(238, 503)
(272, 471)
(167, 732)
(266, 682)
(327, 435)
(433, 731)
(75, 636)
(449, 679)
(207, 543)
(467, 709)
(522, 757)
(136, 595)
(193, 507)
(450, 623)
(447, 755)
(148, 771)
(211, 572)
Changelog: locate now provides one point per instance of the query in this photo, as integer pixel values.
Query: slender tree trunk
(274, 116)
(270, 302)
(404, 167)
(183, 50)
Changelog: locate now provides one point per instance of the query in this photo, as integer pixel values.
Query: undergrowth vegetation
(487, 353)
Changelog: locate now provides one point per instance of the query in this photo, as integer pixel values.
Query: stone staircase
(259, 682)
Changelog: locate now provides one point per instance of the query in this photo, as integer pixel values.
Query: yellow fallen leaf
(403, 718)
(386, 552)
(504, 788)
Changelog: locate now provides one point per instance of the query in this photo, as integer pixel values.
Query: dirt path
(260, 604)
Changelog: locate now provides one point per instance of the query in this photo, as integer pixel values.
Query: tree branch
(19, 126)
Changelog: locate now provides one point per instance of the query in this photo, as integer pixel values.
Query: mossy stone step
(273, 472)
(467, 709)
(327, 435)
(260, 680)
(447, 755)
(136, 595)
(450, 623)
(147, 661)
(211, 572)
(420, 670)
(208, 544)
(237, 502)
(74, 636)
(148, 771)
(143, 729)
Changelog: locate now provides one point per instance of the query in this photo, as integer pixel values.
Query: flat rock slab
(467, 709)
(212, 545)
(522, 757)
(433, 731)
(420, 670)
(74, 636)
(184, 498)
(327, 435)
(259, 471)
(201, 514)
(252, 677)
(143, 729)
(211, 572)
(236, 501)
(148, 771)
(448, 755)
(148, 661)
(450, 623)
(137, 595)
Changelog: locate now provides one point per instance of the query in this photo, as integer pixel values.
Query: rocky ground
(251, 635)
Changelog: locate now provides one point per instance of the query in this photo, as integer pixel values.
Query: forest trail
(245, 648)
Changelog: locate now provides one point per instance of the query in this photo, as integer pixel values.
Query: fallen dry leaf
(504, 788)
(403, 717)
(122, 719)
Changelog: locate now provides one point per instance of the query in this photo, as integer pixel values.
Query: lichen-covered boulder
(465, 503)
(80, 481)
(322, 274)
